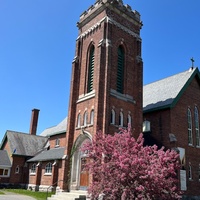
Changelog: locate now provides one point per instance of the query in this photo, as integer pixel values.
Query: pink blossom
(123, 169)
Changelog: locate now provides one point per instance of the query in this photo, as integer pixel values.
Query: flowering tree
(123, 169)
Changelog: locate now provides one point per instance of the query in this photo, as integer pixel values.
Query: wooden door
(84, 174)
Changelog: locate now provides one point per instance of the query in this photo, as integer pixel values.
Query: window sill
(190, 145)
(32, 174)
(124, 97)
(47, 174)
(87, 96)
(84, 126)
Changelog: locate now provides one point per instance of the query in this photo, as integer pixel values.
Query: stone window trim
(129, 120)
(85, 119)
(121, 119)
(78, 125)
(92, 117)
(120, 70)
(90, 78)
(112, 120)
(87, 96)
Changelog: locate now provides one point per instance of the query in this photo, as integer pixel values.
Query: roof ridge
(23, 133)
(162, 79)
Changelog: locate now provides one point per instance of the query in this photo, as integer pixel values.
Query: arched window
(190, 172)
(129, 120)
(79, 120)
(90, 70)
(48, 168)
(189, 118)
(17, 170)
(146, 126)
(85, 119)
(92, 117)
(112, 119)
(196, 118)
(199, 172)
(33, 168)
(120, 70)
(121, 119)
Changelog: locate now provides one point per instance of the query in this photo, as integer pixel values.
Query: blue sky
(37, 46)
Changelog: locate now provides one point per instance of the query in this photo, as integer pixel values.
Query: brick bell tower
(107, 80)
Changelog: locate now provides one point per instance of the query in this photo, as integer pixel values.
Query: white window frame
(112, 117)
(48, 168)
(190, 172)
(129, 120)
(85, 118)
(79, 120)
(189, 119)
(33, 169)
(92, 117)
(57, 142)
(17, 170)
(196, 118)
(121, 119)
(4, 174)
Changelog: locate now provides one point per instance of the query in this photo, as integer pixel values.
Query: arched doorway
(79, 175)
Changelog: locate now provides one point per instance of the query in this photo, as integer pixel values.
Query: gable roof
(4, 161)
(166, 92)
(52, 154)
(60, 128)
(23, 143)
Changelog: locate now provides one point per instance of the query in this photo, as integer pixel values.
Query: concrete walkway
(14, 196)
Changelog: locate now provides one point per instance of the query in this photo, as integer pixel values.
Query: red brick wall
(22, 176)
(61, 137)
(189, 99)
(174, 121)
(105, 73)
(46, 179)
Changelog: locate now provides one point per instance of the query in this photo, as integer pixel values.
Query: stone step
(72, 195)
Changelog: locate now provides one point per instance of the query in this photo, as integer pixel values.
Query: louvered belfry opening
(91, 70)
(120, 70)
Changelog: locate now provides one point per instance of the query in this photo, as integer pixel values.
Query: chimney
(34, 121)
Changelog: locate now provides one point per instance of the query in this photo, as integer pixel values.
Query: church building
(106, 94)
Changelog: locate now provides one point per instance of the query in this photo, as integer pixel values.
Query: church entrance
(79, 174)
(84, 174)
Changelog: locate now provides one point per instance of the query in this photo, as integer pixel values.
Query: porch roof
(51, 154)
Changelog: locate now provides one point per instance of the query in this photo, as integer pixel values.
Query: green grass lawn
(1, 192)
(36, 195)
